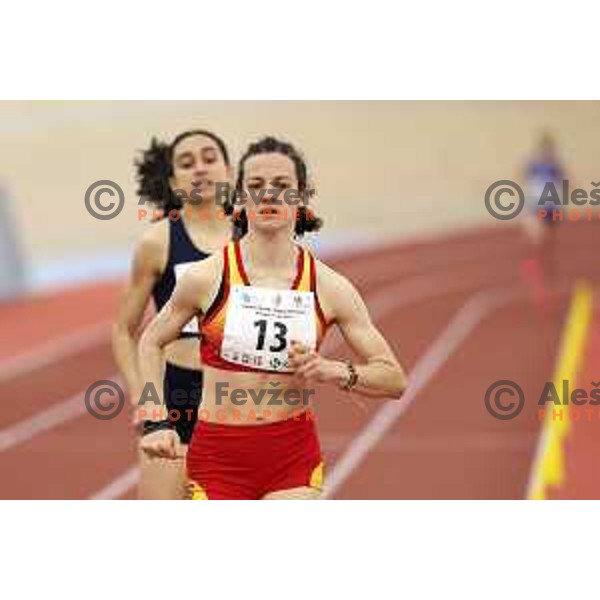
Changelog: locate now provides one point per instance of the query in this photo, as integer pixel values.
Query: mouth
(201, 183)
(269, 211)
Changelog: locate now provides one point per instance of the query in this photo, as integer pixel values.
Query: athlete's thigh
(299, 493)
(161, 478)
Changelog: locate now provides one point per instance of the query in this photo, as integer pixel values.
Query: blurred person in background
(190, 230)
(540, 219)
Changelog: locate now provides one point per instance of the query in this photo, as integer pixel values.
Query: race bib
(261, 323)
(180, 269)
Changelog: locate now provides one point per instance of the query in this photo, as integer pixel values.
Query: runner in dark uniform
(189, 231)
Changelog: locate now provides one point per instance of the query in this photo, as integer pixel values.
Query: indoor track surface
(456, 311)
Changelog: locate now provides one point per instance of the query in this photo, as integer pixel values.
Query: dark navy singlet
(182, 254)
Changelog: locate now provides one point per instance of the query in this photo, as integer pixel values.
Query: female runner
(192, 229)
(265, 304)
(541, 219)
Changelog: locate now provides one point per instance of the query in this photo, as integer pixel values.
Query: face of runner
(271, 187)
(198, 165)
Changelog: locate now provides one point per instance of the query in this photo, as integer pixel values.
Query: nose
(200, 166)
(200, 170)
(269, 197)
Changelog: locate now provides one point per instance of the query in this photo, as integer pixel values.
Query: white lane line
(52, 417)
(119, 486)
(54, 350)
(423, 287)
(392, 297)
(472, 313)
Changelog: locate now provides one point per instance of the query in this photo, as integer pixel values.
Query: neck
(273, 250)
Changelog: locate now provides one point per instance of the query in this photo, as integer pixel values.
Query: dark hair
(306, 220)
(156, 167)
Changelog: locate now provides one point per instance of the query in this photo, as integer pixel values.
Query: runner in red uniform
(264, 305)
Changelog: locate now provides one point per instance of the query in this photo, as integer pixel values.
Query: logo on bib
(277, 363)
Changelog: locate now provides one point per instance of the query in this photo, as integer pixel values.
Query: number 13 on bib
(261, 323)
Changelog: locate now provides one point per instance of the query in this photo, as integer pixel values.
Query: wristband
(146, 427)
(352, 376)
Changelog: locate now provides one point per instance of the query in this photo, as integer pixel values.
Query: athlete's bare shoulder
(329, 281)
(152, 247)
(337, 295)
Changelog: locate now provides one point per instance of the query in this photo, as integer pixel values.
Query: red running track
(445, 446)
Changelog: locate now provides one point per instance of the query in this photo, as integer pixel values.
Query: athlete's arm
(146, 268)
(184, 304)
(380, 373)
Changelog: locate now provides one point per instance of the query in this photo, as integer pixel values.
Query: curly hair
(306, 220)
(155, 168)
